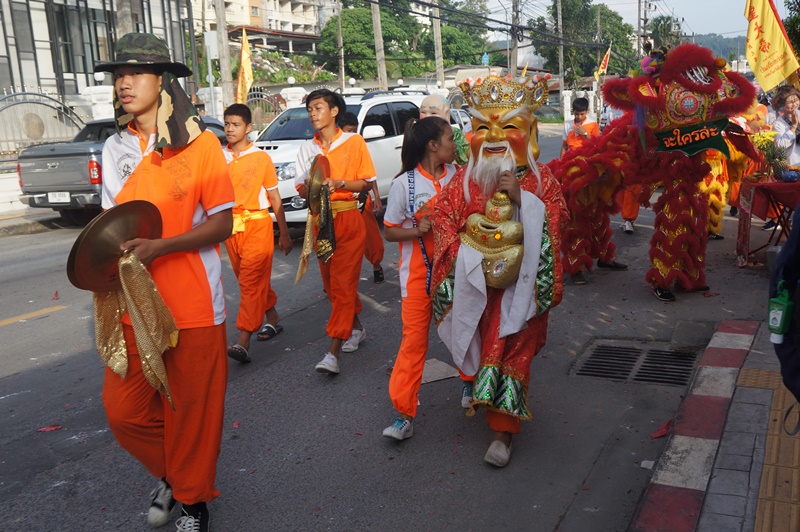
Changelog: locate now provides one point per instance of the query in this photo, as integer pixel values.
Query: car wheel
(79, 217)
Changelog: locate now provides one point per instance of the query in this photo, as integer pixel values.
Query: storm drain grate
(634, 364)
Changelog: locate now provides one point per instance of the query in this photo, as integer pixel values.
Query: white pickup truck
(68, 176)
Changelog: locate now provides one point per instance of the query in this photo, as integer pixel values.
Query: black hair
(418, 134)
(333, 99)
(580, 104)
(348, 119)
(240, 110)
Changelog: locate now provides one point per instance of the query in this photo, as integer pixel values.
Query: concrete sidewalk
(29, 221)
(729, 465)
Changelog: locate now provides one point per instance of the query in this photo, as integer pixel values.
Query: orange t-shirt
(187, 185)
(252, 174)
(576, 141)
(348, 156)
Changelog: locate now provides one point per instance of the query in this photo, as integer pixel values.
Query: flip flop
(268, 331)
(238, 353)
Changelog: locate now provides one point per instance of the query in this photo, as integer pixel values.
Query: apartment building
(53, 45)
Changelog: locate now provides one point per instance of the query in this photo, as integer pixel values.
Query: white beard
(486, 170)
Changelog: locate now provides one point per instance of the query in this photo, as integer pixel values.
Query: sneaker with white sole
(328, 364)
(194, 518)
(400, 429)
(162, 505)
(352, 343)
(466, 395)
(627, 227)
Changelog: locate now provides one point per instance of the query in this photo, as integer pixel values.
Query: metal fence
(28, 118)
(264, 107)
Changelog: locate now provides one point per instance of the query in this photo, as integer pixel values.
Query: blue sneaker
(400, 429)
(466, 395)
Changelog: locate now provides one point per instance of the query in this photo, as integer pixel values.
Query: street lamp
(290, 80)
(438, 84)
(352, 82)
(99, 77)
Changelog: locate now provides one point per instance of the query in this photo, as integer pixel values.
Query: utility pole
(560, 52)
(383, 82)
(226, 79)
(340, 44)
(195, 81)
(124, 18)
(599, 37)
(639, 31)
(437, 43)
(512, 60)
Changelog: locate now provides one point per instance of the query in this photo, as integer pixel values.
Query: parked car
(382, 116)
(67, 177)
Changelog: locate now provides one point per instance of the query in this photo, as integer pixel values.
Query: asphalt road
(304, 451)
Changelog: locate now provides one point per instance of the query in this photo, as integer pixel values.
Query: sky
(725, 17)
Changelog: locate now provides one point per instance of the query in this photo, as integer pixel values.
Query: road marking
(31, 315)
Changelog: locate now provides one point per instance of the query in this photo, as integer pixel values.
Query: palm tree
(662, 31)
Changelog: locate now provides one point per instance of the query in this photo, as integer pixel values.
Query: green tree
(662, 29)
(458, 47)
(792, 23)
(579, 18)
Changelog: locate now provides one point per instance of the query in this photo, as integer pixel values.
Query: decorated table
(760, 200)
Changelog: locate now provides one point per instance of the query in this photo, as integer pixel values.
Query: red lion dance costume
(674, 113)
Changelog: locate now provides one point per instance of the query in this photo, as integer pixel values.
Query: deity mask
(502, 112)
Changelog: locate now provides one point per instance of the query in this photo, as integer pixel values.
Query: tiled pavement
(729, 465)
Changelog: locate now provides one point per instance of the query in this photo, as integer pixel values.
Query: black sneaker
(377, 276)
(194, 518)
(770, 225)
(162, 505)
(734, 211)
(579, 278)
(663, 295)
(715, 236)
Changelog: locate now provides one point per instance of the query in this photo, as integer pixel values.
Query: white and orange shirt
(253, 174)
(187, 186)
(348, 156)
(411, 268)
(572, 139)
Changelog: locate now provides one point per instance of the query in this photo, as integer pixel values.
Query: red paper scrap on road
(662, 431)
(49, 428)
(710, 294)
(236, 424)
(55, 296)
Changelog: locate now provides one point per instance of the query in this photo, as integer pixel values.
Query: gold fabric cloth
(326, 245)
(241, 219)
(153, 325)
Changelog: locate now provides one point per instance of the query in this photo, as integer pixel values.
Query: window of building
(70, 39)
(254, 11)
(22, 27)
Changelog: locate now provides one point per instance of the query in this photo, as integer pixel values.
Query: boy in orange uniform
(252, 244)
(374, 248)
(162, 154)
(351, 172)
(580, 129)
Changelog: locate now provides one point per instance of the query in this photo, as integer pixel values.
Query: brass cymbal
(93, 260)
(319, 172)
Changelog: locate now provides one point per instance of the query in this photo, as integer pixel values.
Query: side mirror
(373, 132)
(253, 135)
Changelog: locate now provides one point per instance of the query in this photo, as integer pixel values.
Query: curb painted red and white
(674, 498)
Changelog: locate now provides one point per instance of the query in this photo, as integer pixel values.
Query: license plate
(58, 197)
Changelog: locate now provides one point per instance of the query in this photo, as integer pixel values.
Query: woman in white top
(787, 123)
(428, 148)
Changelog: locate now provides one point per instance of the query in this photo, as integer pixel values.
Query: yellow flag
(768, 49)
(245, 71)
(603, 65)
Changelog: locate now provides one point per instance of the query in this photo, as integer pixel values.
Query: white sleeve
(112, 182)
(784, 138)
(302, 164)
(397, 204)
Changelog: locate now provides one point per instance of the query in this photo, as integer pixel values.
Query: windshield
(294, 125)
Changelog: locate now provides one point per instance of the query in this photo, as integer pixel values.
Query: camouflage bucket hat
(143, 49)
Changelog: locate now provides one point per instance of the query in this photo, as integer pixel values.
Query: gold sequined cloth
(153, 325)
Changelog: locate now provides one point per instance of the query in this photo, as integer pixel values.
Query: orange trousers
(251, 253)
(416, 311)
(181, 444)
(630, 202)
(341, 273)
(374, 244)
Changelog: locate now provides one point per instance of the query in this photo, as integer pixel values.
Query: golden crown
(495, 92)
